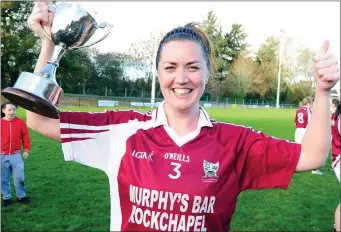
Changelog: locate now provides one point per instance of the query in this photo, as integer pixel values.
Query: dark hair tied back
(191, 32)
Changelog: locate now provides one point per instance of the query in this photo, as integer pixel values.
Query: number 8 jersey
(303, 115)
(302, 118)
(162, 182)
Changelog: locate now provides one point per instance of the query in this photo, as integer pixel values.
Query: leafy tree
(19, 47)
(240, 77)
(227, 47)
(265, 76)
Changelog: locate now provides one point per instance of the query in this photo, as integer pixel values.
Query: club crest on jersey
(210, 170)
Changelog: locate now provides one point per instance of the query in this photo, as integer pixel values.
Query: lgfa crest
(210, 170)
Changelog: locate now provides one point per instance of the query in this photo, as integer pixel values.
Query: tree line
(239, 74)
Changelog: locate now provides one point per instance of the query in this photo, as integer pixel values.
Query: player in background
(302, 119)
(336, 147)
(333, 107)
(334, 103)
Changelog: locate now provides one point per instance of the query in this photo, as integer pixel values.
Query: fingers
(41, 13)
(330, 70)
(324, 47)
(50, 18)
(325, 63)
(39, 17)
(331, 77)
(325, 68)
(322, 56)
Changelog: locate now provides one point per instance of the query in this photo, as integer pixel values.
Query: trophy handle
(44, 31)
(97, 26)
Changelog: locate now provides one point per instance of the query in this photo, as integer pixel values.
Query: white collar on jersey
(161, 119)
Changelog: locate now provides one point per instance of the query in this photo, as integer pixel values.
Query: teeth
(182, 91)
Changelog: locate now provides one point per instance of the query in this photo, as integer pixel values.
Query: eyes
(172, 68)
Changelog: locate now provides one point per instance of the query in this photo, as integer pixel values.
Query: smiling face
(9, 110)
(182, 73)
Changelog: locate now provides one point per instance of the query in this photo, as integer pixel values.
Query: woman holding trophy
(174, 168)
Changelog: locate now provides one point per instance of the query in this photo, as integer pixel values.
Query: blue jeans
(15, 165)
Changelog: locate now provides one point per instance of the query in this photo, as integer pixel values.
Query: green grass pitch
(67, 196)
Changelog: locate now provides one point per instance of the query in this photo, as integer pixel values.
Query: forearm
(45, 54)
(316, 141)
(27, 148)
(34, 121)
(43, 125)
(26, 143)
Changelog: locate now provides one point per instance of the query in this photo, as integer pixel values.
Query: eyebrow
(189, 63)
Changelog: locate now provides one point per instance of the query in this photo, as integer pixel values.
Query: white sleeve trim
(67, 150)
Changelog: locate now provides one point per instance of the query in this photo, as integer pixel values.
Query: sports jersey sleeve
(87, 138)
(25, 137)
(266, 162)
(295, 121)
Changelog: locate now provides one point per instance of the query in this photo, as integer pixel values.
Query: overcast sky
(309, 23)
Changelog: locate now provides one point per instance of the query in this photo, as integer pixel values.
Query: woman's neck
(182, 122)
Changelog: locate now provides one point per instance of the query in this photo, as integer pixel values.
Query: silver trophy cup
(72, 27)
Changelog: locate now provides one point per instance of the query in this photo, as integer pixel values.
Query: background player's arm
(332, 119)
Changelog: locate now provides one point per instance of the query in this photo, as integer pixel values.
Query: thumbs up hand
(325, 69)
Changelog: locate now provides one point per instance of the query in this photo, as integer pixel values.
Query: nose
(181, 77)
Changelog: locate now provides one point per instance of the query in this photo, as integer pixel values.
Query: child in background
(14, 132)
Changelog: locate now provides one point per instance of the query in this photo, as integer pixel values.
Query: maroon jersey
(336, 139)
(160, 181)
(302, 118)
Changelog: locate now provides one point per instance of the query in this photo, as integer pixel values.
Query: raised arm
(317, 139)
(39, 17)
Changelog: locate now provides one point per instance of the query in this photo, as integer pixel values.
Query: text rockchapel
(191, 218)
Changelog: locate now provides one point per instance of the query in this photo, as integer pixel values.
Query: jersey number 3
(176, 171)
(300, 118)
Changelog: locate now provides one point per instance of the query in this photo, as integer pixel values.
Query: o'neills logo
(177, 157)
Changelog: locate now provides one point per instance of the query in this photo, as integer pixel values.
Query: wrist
(46, 43)
(322, 93)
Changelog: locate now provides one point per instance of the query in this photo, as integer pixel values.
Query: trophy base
(31, 102)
